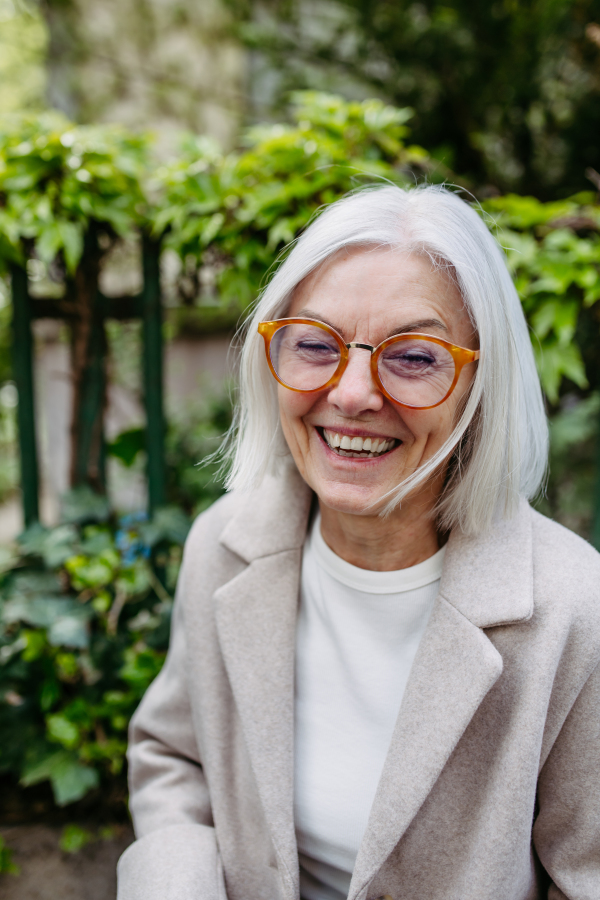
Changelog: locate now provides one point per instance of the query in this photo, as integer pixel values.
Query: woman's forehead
(376, 284)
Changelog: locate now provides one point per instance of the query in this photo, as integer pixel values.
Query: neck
(405, 538)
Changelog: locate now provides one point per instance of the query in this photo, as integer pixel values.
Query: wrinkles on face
(367, 295)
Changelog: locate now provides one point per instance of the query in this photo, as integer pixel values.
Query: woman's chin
(350, 499)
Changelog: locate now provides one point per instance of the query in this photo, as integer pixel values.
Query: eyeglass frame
(460, 355)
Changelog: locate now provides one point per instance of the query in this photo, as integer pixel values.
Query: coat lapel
(256, 619)
(486, 581)
(456, 666)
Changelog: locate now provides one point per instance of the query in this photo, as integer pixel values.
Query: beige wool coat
(491, 787)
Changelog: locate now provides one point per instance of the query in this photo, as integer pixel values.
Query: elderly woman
(383, 679)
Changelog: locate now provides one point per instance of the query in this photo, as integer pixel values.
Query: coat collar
(455, 667)
(487, 581)
(270, 519)
(488, 578)
(256, 620)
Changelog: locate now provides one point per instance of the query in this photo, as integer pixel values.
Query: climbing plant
(234, 214)
(67, 194)
(83, 617)
(84, 624)
(553, 252)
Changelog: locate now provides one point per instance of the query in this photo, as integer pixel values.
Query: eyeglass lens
(414, 371)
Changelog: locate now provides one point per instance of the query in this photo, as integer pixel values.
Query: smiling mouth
(356, 446)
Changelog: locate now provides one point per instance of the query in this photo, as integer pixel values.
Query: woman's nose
(356, 391)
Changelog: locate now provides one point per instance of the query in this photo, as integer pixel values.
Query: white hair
(497, 451)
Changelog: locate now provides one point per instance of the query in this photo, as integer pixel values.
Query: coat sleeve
(566, 833)
(175, 856)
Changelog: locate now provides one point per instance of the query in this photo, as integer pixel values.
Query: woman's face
(368, 295)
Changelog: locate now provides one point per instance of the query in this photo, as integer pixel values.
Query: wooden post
(88, 465)
(153, 372)
(89, 376)
(22, 359)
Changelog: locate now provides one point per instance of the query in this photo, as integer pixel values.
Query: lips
(357, 446)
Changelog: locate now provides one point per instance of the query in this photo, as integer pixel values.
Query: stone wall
(165, 65)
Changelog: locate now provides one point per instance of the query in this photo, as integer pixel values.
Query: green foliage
(74, 838)
(84, 619)
(553, 252)
(7, 866)
(56, 177)
(505, 93)
(127, 445)
(573, 477)
(230, 217)
(245, 207)
(84, 624)
(192, 438)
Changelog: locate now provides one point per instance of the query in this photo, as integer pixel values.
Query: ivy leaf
(58, 544)
(69, 778)
(127, 445)
(71, 235)
(556, 315)
(65, 619)
(32, 540)
(168, 523)
(62, 731)
(41, 611)
(33, 583)
(71, 781)
(555, 361)
(93, 571)
(49, 242)
(71, 631)
(83, 505)
(74, 838)
(212, 227)
(134, 579)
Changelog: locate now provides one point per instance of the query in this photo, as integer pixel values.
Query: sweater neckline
(370, 581)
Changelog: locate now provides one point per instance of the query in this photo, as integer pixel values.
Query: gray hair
(498, 448)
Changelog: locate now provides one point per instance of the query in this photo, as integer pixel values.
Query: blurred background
(156, 157)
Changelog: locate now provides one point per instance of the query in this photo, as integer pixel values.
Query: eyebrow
(419, 325)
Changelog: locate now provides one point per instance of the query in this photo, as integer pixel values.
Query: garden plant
(85, 606)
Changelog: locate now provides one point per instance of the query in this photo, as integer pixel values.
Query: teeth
(357, 446)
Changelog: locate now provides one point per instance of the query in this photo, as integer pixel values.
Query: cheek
(426, 425)
(292, 408)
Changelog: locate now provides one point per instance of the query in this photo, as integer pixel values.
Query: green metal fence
(146, 306)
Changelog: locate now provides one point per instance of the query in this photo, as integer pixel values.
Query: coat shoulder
(209, 525)
(566, 572)
(206, 562)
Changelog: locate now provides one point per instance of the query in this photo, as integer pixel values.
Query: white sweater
(358, 633)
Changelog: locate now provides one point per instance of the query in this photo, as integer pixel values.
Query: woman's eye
(423, 358)
(412, 359)
(315, 347)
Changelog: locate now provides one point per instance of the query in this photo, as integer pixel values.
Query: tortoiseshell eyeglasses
(414, 370)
